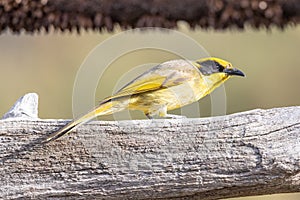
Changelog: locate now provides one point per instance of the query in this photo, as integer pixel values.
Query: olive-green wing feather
(161, 76)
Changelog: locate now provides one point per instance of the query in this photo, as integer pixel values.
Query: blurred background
(48, 63)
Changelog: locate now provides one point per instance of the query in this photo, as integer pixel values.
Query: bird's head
(216, 66)
(216, 71)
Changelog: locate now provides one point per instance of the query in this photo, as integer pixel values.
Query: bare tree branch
(249, 153)
(32, 16)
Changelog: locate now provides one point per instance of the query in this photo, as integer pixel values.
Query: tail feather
(69, 127)
(66, 129)
(103, 109)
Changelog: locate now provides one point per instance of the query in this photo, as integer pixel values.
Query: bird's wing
(151, 82)
(142, 85)
(161, 76)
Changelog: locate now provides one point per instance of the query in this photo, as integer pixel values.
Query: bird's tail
(103, 109)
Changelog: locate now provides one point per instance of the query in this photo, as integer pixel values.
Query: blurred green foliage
(47, 65)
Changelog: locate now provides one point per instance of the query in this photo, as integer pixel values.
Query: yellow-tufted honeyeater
(167, 86)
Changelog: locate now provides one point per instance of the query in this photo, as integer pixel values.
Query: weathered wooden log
(249, 153)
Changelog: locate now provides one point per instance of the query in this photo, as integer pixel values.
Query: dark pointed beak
(233, 71)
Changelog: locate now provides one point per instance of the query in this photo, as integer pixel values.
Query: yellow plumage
(167, 86)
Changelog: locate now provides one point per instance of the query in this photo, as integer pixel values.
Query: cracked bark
(249, 153)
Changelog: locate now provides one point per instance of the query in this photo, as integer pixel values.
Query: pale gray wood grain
(249, 153)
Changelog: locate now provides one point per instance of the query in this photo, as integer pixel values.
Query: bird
(166, 86)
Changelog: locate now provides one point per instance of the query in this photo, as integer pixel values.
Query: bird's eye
(219, 67)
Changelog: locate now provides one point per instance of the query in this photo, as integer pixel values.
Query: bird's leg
(172, 116)
(163, 113)
(149, 116)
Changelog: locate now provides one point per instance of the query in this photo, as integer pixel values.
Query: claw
(175, 116)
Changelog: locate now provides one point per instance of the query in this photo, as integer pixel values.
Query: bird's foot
(175, 116)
